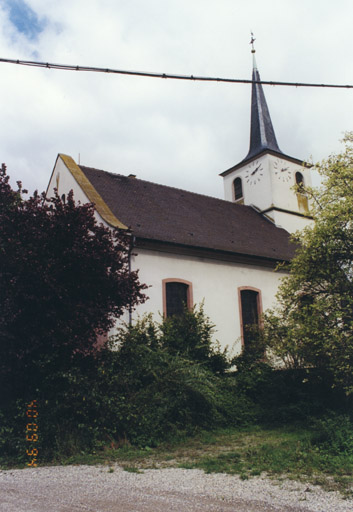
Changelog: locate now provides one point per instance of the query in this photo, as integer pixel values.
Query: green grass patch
(284, 452)
(288, 452)
(278, 452)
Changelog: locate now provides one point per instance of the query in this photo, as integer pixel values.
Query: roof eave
(246, 160)
(212, 253)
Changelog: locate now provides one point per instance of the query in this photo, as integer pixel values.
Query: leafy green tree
(313, 324)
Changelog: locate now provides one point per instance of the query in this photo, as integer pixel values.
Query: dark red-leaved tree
(64, 278)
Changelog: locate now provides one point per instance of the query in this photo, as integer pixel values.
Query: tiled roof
(161, 213)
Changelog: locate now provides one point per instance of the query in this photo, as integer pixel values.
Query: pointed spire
(262, 134)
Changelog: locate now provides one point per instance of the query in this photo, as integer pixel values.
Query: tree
(64, 279)
(313, 324)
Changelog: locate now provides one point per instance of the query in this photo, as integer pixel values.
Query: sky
(181, 134)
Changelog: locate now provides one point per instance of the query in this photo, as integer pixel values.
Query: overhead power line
(66, 67)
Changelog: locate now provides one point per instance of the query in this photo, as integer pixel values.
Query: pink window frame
(189, 296)
(259, 308)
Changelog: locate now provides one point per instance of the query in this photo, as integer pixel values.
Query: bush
(283, 395)
(158, 381)
(145, 390)
(169, 374)
(12, 432)
(334, 434)
(64, 278)
(190, 335)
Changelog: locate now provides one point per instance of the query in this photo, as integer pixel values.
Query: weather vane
(252, 43)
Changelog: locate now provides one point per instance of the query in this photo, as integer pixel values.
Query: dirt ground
(103, 489)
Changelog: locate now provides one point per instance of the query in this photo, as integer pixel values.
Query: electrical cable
(147, 74)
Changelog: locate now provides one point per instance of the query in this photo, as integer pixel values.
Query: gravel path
(96, 489)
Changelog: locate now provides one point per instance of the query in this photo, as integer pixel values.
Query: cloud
(25, 20)
(175, 133)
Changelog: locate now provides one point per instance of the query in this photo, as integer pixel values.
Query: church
(190, 248)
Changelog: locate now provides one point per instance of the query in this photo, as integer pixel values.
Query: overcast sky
(176, 133)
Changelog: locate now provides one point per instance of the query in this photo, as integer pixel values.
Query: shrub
(143, 391)
(334, 434)
(63, 279)
(169, 374)
(190, 335)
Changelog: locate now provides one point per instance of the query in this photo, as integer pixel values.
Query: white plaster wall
(213, 281)
(291, 223)
(259, 194)
(66, 183)
(272, 189)
(284, 195)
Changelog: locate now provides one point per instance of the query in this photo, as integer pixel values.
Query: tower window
(250, 312)
(177, 295)
(302, 198)
(238, 189)
(299, 179)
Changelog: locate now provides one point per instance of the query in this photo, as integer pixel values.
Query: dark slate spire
(262, 134)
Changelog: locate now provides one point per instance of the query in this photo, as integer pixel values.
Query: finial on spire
(254, 65)
(252, 43)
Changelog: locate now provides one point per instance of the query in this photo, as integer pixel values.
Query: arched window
(250, 306)
(177, 294)
(238, 189)
(299, 179)
(302, 198)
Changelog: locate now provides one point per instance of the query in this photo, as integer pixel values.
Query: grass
(275, 452)
(284, 452)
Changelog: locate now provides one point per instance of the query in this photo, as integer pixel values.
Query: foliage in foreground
(154, 386)
(163, 380)
(64, 278)
(150, 387)
(313, 326)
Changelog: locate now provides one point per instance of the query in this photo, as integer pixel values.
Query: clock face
(254, 172)
(282, 170)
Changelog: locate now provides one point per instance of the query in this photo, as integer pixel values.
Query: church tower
(267, 177)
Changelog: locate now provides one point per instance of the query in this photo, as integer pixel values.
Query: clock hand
(284, 169)
(255, 171)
